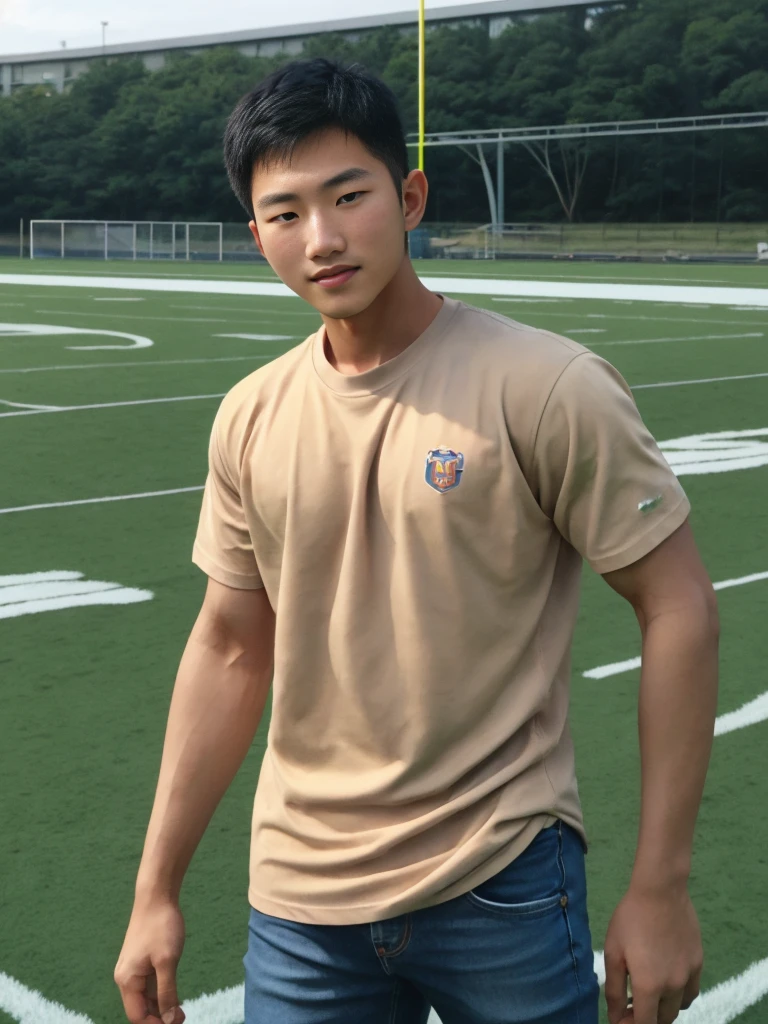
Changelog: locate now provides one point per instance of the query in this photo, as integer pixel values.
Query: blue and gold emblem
(444, 468)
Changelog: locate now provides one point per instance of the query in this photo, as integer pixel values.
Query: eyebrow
(351, 174)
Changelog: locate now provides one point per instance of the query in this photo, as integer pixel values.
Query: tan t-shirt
(419, 529)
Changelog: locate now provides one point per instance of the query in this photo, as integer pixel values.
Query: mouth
(334, 276)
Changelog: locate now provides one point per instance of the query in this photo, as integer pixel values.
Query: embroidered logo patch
(443, 469)
(650, 504)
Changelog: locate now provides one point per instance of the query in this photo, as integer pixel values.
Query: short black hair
(304, 97)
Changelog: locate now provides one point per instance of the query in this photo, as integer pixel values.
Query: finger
(692, 989)
(167, 998)
(615, 989)
(645, 1007)
(669, 1007)
(135, 1002)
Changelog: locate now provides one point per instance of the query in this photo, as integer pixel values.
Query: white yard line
(141, 363)
(27, 405)
(99, 501)
(681, 383)
(119, 299)
(451, 285)
(133, 316)
(110, 405)
(257, 312)
(659, 341)
(27, 1006)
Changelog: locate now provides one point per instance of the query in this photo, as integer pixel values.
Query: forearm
(677, 708)
(216, 707)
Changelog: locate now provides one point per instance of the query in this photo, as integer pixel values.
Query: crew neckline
(380, 376)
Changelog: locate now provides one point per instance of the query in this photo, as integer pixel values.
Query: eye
(351, 196)
(278, 221)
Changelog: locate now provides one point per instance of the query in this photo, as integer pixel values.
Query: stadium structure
(59, 68)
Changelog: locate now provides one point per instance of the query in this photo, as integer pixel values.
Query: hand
(146, 969)
(654, 938)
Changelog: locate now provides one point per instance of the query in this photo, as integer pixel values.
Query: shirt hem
(661, 530)
(225, 576)
(367, 913)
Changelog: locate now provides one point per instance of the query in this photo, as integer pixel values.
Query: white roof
(467, 10)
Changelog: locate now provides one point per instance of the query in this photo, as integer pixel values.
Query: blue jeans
(515, 950)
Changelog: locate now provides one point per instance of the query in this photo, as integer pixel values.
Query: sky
(28, 26)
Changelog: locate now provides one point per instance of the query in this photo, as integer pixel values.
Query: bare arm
(654, 935)
(218, 700)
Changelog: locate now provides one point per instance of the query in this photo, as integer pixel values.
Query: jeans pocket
(532, 884)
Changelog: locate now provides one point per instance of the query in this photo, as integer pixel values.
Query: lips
(338, 277)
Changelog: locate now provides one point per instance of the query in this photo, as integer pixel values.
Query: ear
(255, 233)
(415, 191)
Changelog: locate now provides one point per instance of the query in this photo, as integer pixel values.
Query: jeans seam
(394, 1004)
(568, 922)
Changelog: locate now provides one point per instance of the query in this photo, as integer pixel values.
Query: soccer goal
(126, 240)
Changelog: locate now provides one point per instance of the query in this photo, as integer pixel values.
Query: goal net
(126, 240)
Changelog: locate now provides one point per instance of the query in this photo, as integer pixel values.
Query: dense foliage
(127, 143)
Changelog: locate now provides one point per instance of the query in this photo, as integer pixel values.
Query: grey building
(58, 68)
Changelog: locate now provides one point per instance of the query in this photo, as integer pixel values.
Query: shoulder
(529, 353)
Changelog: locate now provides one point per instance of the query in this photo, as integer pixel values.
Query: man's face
(334, 205)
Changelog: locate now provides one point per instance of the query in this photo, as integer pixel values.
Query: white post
(21, 239)
(134, 239)
(106, 240)
(221, 243)
(173, 240)
(31, 239)
(151, 239)
(62, 239)
(186, 233)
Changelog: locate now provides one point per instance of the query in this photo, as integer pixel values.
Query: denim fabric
(515, 950)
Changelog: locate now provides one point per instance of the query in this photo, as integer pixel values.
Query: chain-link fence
(234, 243)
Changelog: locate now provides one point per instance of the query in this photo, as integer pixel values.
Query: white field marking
(222, 1007)
(255, 270)
(747, 309)
(719, 452)
(27, 405)
(140, 363)
(617, 667)
(696, 337)
(696, 305)
(587, 330)
(462, 286)
(134, 316)
(110, 405)
(251, 312)
(12, 303)
(47, 330)
(751, 713)
(638, 316)
(99, 501)
(27, 1006)
(257, 337)
(46, 592)
(113, 299)
(680, 383)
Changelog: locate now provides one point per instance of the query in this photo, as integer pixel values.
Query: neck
(395, 319)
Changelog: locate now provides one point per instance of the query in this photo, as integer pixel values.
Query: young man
(394, 520)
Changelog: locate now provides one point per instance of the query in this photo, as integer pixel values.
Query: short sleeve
(600, 475)
(223, 548)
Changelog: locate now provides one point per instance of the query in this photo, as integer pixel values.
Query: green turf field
(85, 690)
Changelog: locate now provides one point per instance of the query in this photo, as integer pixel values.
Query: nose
(324, 237)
